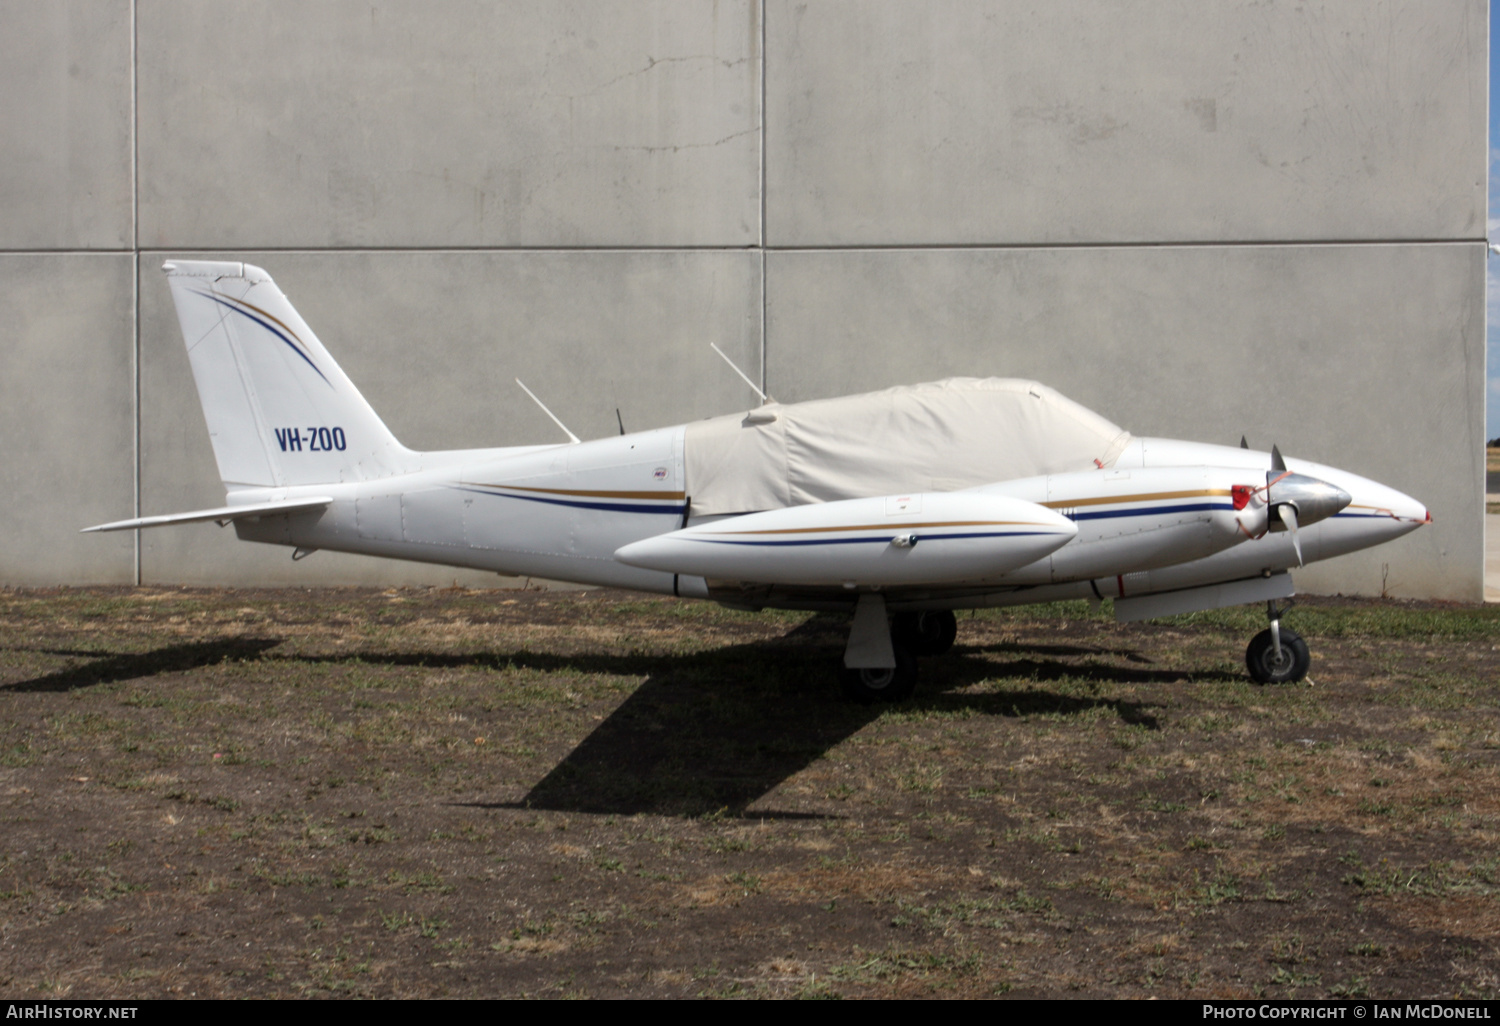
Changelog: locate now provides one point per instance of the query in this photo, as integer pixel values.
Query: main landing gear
(881, 683)
(880, 662)
(928, 633)
(1277, 655)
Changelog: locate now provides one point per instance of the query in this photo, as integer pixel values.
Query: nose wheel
(1277, 655)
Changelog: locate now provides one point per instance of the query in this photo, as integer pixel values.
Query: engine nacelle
(928, 538)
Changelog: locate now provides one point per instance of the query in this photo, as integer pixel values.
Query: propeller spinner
(1298, 499)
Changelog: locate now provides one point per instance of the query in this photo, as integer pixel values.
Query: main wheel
(881, 685)
(1265, 668)
(928, 633)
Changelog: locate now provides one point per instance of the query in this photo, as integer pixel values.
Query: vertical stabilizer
(279, 410)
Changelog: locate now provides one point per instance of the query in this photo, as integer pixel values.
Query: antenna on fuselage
(764, 399)
(572, 438)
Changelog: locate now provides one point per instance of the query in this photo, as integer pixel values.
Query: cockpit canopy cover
(941, 436)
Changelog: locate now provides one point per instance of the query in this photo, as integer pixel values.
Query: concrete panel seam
(66, 252)
(135, 282)
(186, 248)
(934, 247)
(944, 247)
(762, 189)
(135, 413)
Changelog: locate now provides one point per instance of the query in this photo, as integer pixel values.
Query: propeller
(1288, 514)
(1286, 511)
(1299, 499)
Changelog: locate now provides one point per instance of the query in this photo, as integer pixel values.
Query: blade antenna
(572, 438)
(764, 399)
(620, 419)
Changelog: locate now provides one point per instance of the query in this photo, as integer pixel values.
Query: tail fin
(279, 410)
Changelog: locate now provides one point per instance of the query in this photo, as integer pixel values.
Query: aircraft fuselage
(1164, 509)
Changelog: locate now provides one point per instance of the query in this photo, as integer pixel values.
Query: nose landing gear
(1277, 655)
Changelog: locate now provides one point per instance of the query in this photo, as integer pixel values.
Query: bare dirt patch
(424, 793)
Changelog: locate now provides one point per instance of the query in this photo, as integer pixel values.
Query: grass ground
(423, 793)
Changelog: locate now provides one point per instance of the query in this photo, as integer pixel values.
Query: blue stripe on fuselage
(1143, 511)
(883, 539)
(613, 507)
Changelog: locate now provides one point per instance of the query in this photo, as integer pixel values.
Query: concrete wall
(943, 122)
(1201, 220)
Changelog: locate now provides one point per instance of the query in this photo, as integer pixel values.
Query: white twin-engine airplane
(900, 506)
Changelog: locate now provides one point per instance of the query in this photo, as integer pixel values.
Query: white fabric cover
(938, 437)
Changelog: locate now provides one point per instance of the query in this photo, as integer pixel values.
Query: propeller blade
(1277, 463)
(1288, 514)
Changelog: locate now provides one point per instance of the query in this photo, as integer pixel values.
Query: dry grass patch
(1469, 916)
(672, 800)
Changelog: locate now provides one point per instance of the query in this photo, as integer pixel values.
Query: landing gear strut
(1277, 655)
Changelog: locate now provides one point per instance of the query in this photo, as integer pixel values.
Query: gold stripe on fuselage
(1151, 497)
(584, 493)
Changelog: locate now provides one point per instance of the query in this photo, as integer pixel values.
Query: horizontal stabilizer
(224, 514)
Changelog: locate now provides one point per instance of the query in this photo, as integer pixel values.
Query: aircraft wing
(224, 514)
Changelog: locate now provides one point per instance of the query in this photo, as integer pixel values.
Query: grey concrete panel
(544, 122)
(67, 417)
(434, 341)
(954, 121)
(65, 124)
(1368, 358)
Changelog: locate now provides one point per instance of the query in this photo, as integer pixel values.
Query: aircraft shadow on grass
(711, 732)
(113, 667)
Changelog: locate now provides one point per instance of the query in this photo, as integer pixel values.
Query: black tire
(929, 633)
(1264, 667)
(876, 685)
